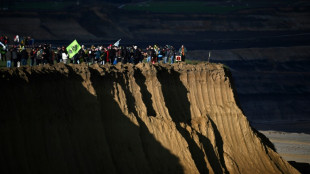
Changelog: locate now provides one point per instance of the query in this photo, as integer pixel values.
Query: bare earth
(128, 119)
(291, 146)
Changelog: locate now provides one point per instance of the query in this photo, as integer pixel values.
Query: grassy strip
(193, 62)
(188, 61)
(2, 63)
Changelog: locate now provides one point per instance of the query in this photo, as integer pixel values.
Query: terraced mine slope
(128, 119)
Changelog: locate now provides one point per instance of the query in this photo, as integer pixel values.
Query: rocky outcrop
(128, 119)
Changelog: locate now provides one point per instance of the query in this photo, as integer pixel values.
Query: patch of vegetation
(2, 63)
(193, 62)
(227, 67)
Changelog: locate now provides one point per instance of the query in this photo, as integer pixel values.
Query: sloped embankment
(128, 119)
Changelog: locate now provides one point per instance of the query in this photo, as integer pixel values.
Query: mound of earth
(128, 119)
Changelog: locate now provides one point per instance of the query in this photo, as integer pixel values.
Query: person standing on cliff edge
(182, 52)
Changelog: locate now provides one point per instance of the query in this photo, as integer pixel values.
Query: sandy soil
(291, 146)
(128, 119)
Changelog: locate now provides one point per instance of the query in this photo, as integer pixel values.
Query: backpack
(39, 54)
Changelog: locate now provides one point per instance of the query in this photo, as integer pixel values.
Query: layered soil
(128, 119)
(277, 23)
(272, 84)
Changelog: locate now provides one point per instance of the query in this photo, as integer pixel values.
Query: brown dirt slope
(128, 119)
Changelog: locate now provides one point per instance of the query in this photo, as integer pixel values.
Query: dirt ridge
(114, 119)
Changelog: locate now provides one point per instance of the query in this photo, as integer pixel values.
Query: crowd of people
(23, 40)
(19, 54)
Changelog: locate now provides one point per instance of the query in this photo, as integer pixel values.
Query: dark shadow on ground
(303, 168)
(219, 144)
(49, 125)
(175, 96)
(146, 95)
(52, 124)
(133, 148)
(265, 140)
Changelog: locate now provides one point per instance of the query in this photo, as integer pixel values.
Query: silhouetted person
(33, 55)
(24, 57)
(8, 56)
(182, 52)
(14, 57)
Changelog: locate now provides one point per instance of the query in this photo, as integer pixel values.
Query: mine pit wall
(128, 119)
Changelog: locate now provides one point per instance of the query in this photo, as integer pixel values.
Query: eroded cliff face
(128, 119)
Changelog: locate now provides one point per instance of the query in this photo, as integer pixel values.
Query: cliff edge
(128, 119)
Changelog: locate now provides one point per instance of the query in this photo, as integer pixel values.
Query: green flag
(73, 48)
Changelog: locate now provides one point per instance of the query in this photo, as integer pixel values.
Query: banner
(73, 48)
(178, 58)
(117, 43)
(3, 46)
